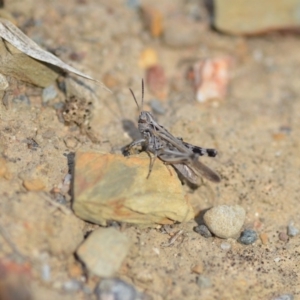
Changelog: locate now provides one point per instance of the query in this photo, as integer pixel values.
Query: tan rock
(198, 268)
(254, 17)
(75, 270)
(113, 187)
(153, 20)
(34, 184)
(264, 238)
(104, 251)
(148, 58)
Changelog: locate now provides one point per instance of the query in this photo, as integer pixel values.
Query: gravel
(49, 93)
(292, 230)
(21, 99)
(283, 237)
(248, 237)
(284, 297)
(116, 289)
(203, 230)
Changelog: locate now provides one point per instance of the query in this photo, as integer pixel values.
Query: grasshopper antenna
(142, 94)
(134, 99)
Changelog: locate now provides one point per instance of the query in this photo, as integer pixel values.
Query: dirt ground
(256, 130)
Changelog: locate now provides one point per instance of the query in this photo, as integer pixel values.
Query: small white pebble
(225, 246)
(72, 285)
(277, 259)
(156, 250)
(257, 55)
(46, 272)
(292, 230)
(67, 179)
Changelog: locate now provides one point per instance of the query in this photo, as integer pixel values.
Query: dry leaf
(18, 39)
(18, 65)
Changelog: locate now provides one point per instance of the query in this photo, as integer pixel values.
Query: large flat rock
(255, 17)
(113, 187)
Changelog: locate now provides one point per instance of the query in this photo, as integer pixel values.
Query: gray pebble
(134, 4)
(115, 289)
(46, 272)
(284, 297)
(225, 221)
(49, 93)
(203, 230)
(157, 107)
(248, 237)
(292, 230)
(59, 105)
(61, 199)
(21, 99)
(203, 281)
(72, 286)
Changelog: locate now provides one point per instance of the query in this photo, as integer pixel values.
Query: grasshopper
(184, 157)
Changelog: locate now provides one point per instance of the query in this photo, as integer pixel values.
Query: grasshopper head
(145, 121)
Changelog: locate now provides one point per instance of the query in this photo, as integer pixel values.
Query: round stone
(225, 221)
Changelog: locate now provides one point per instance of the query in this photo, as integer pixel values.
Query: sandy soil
(256, 130)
